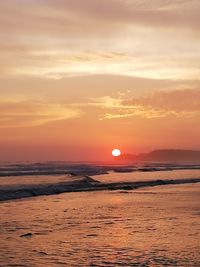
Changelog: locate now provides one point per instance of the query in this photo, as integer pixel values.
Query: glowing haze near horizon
(79, 78)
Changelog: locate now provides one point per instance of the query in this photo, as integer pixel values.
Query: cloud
(175, 100)
(105, 102)
(33, 113)
(147, 112)
(54, 64)
(57, 39)
(157, 13)
(178, 103)
(54, 23)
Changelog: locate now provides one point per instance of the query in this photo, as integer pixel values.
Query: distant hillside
(164, 155)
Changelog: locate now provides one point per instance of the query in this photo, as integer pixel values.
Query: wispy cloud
(29, 113)
(58, 39)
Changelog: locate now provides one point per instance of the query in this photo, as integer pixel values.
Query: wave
(80, 184)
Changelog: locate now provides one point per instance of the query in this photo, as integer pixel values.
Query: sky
(79, 78)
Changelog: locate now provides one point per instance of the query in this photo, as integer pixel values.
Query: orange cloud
(29, 113)
(179, 103)
(174, 100)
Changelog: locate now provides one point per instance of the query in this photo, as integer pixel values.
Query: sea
(155, 225)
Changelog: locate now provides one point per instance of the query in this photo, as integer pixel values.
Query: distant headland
(164, 155)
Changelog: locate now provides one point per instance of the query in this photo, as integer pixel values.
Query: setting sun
(116, 152)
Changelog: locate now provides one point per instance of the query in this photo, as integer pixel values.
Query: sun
(116, 152)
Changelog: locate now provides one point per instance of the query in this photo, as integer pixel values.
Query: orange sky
(79, 78)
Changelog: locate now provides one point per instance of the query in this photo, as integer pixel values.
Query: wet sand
(156, 226)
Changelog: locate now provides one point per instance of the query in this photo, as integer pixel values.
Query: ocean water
(157, 226)
(148, 175)
(17, 175)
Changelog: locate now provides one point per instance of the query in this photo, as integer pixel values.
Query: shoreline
(84, 184)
